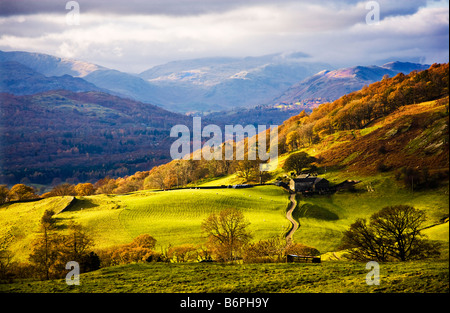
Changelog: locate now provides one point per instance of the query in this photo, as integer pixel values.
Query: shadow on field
(317, 212)
(80, 204)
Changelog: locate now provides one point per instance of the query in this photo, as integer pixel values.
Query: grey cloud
(184, 7)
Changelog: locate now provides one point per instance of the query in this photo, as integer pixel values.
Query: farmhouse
(308, 183)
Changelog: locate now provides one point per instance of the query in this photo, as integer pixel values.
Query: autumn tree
(162, 177)
(77, 243)
(265, 251)
(22, 192)
(183, 253)
(227, 232)
(248, 169)
(85, 189)
(139, 250)
(297, 162)
(307, 135)
(293, 140)
(6, 262)
(44, 248)
(4, 193)
(105, 186)
(64, 189)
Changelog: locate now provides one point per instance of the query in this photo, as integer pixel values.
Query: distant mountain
(18, 79)
(129, 86)
(49, 65)
(327, 86)
(201, 85)
(82, 136)
(213, 84)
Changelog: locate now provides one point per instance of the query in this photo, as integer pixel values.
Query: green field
(326, 277)
(19, 222)
(172, 217)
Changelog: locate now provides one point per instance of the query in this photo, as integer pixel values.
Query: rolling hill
(172, 217)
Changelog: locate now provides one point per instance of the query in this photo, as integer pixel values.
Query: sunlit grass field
(171, 217)
(19, 223)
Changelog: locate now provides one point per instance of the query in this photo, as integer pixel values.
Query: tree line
(21, 192)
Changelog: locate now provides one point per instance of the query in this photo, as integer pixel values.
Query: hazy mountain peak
(49, 65)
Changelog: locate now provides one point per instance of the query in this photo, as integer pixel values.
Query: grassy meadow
(325, 277)
(171, 217)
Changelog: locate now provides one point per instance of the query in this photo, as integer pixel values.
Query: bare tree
(227, 232)
(392, 233)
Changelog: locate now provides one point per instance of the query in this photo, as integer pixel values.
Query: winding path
(294, 223)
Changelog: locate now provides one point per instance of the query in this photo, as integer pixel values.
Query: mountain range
(276, 81)
(200, 85)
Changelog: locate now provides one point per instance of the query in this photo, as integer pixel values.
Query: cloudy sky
(133, 35)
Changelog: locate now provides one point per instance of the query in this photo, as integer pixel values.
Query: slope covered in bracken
(414, 136)
(399, 122)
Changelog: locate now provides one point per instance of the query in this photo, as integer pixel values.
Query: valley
(391, 136)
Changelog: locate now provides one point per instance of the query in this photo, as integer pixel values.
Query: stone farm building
(308, 183)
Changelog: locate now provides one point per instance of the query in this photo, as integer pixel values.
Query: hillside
(81, 136)
(49, 65)
(399, 121)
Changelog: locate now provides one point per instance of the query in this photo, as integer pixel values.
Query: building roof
(312, 180)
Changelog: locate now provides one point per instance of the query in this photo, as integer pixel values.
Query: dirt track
(295, 225)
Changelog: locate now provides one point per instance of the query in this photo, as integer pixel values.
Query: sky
(132, 36)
